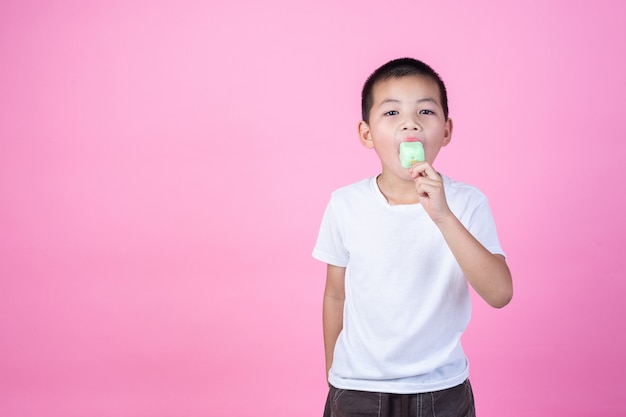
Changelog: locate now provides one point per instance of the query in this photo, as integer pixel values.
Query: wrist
(446, 220)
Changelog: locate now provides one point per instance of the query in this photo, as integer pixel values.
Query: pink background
(164, 166)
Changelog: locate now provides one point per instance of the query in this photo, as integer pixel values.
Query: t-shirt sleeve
(483, 227)
(330, 247)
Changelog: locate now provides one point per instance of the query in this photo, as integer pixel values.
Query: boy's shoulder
(459, 185)
(462, 190)
(357, 187)
(359, 193)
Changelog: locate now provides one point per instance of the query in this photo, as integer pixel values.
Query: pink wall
(164, 166)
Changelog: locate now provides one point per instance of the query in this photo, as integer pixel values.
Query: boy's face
(405, 109)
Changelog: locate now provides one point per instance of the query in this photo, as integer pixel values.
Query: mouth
(411, 139)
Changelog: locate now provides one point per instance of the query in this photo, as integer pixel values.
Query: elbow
(501, 300)
(503, 291)
(502, 297)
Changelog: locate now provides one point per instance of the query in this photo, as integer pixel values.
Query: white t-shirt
(407, 300)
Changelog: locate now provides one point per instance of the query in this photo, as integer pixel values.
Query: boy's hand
(488, 274)
(430, 190)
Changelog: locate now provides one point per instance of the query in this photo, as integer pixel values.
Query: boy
(401, 248)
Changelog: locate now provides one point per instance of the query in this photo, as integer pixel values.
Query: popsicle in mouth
(410, 153)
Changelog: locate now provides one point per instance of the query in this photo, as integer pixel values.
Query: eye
(391, 113)
(426, 111)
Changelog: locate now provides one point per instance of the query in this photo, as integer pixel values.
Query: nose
(410, 123)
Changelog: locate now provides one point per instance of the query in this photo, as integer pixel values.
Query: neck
(397, 191)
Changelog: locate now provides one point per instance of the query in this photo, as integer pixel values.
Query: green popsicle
(410, 153)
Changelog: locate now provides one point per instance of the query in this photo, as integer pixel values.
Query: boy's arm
(332, 311)
(488, 274)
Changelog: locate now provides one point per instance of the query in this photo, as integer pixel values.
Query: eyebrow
(422, 100)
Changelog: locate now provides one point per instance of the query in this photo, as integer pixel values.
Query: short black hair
(397, 68)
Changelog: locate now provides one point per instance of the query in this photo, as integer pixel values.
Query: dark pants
(452, 402)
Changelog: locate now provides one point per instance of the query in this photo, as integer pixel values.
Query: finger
(433, 180)
(429, 186)
(419, 169)
(424, 169)
(429, 172)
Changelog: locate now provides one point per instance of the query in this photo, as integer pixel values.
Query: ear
(365, 135)
(447, 132)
